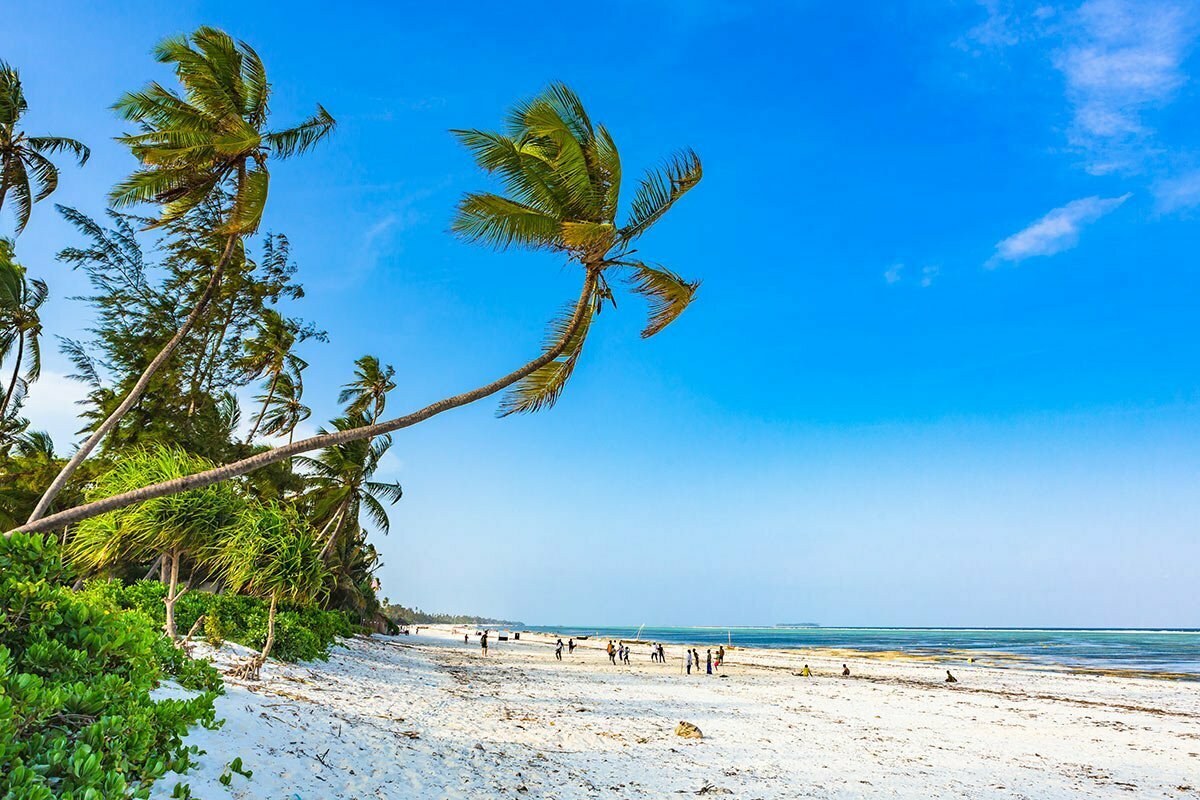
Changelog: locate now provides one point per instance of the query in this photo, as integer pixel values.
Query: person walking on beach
(806, 672)
(570, 646)
(558, 650)
(612, 653)
(483, 642)
(689, 662)
(628, 649)
(708, 664)
(696, 658)
(653, 654)
(662, 654)
(720, 656)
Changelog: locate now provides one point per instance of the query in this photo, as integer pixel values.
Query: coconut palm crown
(212, 135)
(561, 176)
(26, 174)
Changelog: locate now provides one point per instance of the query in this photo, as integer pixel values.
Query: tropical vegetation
(180, 514)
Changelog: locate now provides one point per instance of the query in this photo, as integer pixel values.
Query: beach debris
(688, 731)
(709, 788)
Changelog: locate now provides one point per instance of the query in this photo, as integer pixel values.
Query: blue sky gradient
(944, 367)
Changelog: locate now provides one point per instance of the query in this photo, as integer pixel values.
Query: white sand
(427, 717)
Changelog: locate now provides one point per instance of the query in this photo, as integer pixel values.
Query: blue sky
(943, 368)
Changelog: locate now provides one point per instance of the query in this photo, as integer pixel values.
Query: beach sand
(427, 716)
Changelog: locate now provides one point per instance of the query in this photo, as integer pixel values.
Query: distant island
(797, 625)
(414, 616)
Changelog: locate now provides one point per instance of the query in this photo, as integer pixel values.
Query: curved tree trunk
(207, 478)
(266, 651)
(263, 412)
(169, 626)
(12, 384)
(138, 389)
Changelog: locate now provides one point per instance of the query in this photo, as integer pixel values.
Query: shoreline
(425, 715)
(994, 659)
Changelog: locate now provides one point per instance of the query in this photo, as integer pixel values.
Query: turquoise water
(1176, 651)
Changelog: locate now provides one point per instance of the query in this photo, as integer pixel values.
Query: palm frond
(667, 293)
(542, 388)
(501, 223)
(659, 190)
(293, 141)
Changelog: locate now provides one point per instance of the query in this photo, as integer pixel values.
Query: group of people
(710, 664)
(617, 653)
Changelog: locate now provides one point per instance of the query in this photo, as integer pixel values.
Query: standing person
(662, 654)
(696, 657)
(720, 656)
(708, 664)
(627, 650)
(689, 662)
(570, 646)
(465, 640)
(654, 653)
(612, 653)
(558, 650)
(483, 642)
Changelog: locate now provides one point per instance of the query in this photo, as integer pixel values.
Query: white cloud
(51, 406)
(893, 273)
(1177, 194)
(1005, 26)
(1055, 232)
(1123, 59)
(928, 274)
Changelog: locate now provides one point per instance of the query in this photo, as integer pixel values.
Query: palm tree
(341, 477)
(209, 141)
(24, 165)
(563, 175)
(285, 410)
(367, 393)
(272, 553)
(269, 353)
(20, 324)
(181, 527)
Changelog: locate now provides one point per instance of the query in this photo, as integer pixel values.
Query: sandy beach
(427, 716)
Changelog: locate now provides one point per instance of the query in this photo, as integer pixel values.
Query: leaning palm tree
(284, 409)
(24, 165)
(271, 553)
(562, 180)
(366, 395)
(211, 140)
(20, 324)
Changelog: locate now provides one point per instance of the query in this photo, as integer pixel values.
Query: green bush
(76, 717)
(302, 633)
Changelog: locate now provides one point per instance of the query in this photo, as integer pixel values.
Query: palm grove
(172, 479)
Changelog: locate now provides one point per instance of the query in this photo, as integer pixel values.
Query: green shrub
(76, 717)
(302, 633)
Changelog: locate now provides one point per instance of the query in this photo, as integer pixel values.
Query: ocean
(1164, 651)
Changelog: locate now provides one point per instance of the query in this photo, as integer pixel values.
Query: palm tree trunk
(341, 520)
(169, 627)
(263, 412)
(262, 657)
(12, 384)
(207, 478)
(138, 389)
